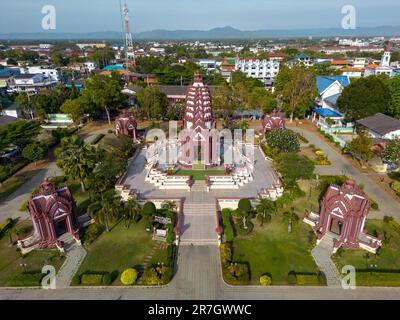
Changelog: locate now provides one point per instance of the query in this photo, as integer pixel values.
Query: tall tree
(106, 208)
(24, 100)
(296, 90)
(131, 211)
(393, 85)
(74, 107)
(392, 151)
(152, 102)
(76, 159)
(364, 97)
(104, 92)
(360, 147)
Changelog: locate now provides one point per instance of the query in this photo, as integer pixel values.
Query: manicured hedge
(27, 279)
(227, 225)
(4, 226)
(380, 279)
(92, 279)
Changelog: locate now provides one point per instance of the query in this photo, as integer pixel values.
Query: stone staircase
(322, 256)
(74, 255)
(199, 186)
(199, 223)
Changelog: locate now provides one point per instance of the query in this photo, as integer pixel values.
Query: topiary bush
(92, 279)
(395, 185)
(265, 280)
(292, 278)
(149, 209)
(227, 225)
(129, 277)
(245, 231)
(226, 253)
(244, 205)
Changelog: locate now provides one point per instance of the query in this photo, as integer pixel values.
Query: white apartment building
(29, 83)
(51, 74)
(264, 70)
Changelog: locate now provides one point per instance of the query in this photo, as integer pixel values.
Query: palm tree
(131, 211)
(169, 205)
(291, 218)
(106, 208)
(264, 208)
(76, 159)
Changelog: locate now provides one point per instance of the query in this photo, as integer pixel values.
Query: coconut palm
(76, 159)
(265, 208)
(131, 211)
(169, 205)
(106, 208)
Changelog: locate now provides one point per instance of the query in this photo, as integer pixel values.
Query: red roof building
(53, 212)
(271, 121)
(342, 216)
(198, 121)
(126, 124)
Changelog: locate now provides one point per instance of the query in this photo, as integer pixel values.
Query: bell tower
(385, 62)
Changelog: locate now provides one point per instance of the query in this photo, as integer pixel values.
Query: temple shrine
(198, 143)
(126, 124)
(342, 217)
(272, 121)
(53, 212)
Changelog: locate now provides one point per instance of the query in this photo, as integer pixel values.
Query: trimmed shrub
(107, 279)
(265, 280)
(171, 253)
(94, 279)
(237, 273)
(4, 226)
(227, 225)
(26, 279)
(244, 205)
(92, 232)
(149, 209)
(395, 186)
(374, 205)
(129, 277)
(226, 253)
(170, 236)
(292, 278)
(307, 280)
(245, 231)
(76, 280)
(321, 278)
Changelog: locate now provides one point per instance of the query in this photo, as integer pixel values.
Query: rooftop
(380, 123)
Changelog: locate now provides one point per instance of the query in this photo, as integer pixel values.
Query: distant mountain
(223, 33)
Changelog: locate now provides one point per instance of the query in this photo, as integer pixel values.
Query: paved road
(199, 277)
(341, 165)
(9, 208)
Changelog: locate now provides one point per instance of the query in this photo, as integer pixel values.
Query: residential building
(381, 126)
(29, 83)
(264, 70)
(51, 74)
(208, 64)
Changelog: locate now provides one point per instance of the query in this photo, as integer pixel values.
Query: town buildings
(263, 70)
(381, 126)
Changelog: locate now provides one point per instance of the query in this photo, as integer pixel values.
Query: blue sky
(103, 15)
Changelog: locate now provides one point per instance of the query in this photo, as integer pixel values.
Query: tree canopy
(364, 97)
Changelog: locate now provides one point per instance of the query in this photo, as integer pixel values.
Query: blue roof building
(116, 67)
(325, 82)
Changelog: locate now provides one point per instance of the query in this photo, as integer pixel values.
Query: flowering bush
(129, 276)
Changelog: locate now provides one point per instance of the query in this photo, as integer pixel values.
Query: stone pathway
(322, 256)
(74, 255)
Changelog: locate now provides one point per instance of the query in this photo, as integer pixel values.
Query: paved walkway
(9, 208)
(199, 277)
(74, 255)
(342, 166)
(322, 256)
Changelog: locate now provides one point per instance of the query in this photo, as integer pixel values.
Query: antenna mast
(130, 55)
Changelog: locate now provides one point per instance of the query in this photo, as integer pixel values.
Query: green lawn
(11, 260)
(121, 248)
(199, 174)
(271, 249)
(382, 269)
(10, 186)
